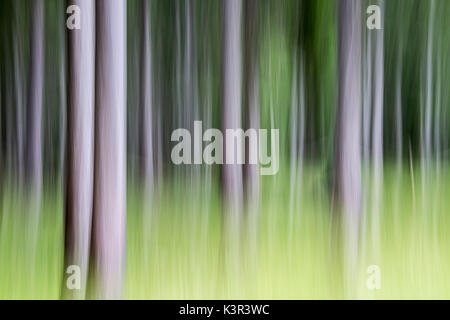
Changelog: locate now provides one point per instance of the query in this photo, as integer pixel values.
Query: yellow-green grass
(177, 246)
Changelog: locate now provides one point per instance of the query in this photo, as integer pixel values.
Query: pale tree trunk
(377, 134)
(35, 97)
(367, 99)
(80, 149)
(148, 137)
(252, 116)
(366, 126)
(232, 173)
(109, 216)
(232, 187)
(146, 93)
(347, 183)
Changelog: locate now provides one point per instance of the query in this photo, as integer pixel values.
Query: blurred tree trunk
(62, 128)
(9, 117)
(293, 143)
(367, 99)
(377, 132)
(297, 143)
(148, 136)
(438, 113)
(35, 97)
(232, 173)
(134, 107)
(146, 93)
(426, 115)
(19, 91)
(366, 126)
(347, 182)
(398, 111)
(252, 116)
(33, 149)
(232, 187)
(398, 131)
(80, 146)
(429, 87)
(109, 216)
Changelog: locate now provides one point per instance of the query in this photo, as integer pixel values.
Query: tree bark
(18, 65)
(377, 133)
(347, 182)
(252, 116)
(232, 173)
(35, 96)
(80, 145)
(109, 216)
(146, 93)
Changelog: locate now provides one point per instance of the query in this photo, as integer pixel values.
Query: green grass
(178, 248)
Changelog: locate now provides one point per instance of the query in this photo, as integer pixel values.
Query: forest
(224, 149)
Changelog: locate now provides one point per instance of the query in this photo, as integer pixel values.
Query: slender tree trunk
(19, 105)
(427, 117)
(232, 187)
(301, 118)
(293, 145)
(426, 141)
(80, 149)
(33, 149)
(135, 158)
(398, 131)
(377, 134)
(35, 97)
(178, 68)
(188, 106)
(398, 114)
(429, 89)
(62, 96)
(9, 115)
(232, 173)
(148, 136)
(252, 116)
(347, 183)
(109, 216)
(366, 126)
(146, 93)
(438, 113)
